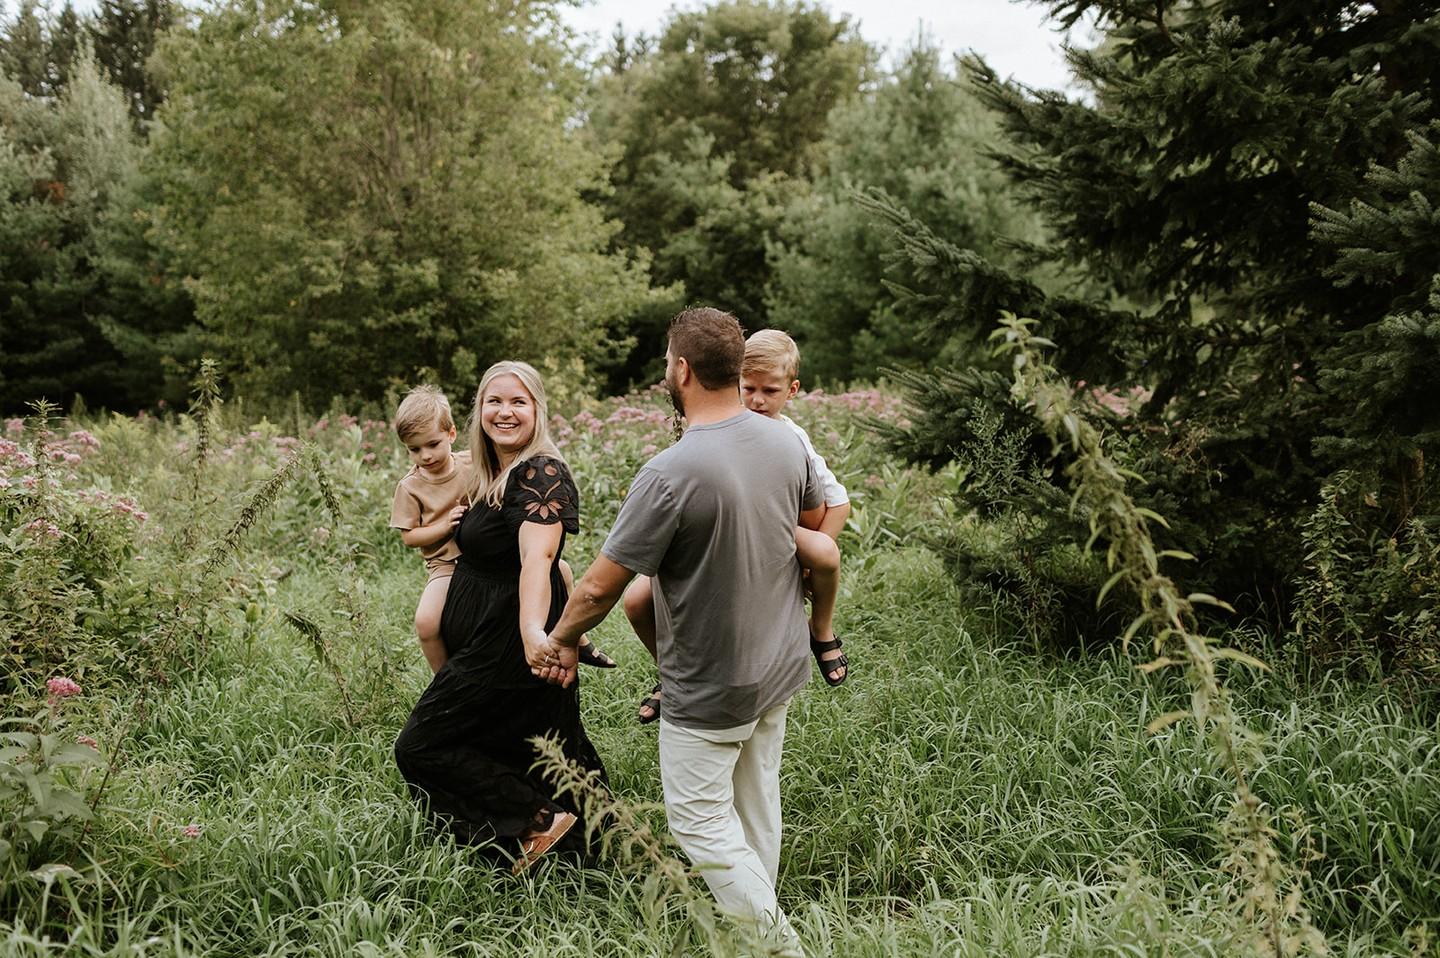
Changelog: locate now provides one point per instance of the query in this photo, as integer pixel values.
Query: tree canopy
(364, 193)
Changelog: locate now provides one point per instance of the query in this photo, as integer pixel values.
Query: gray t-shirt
(712, 519)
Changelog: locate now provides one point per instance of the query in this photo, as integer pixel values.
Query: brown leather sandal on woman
(537, 842)
(588, 654)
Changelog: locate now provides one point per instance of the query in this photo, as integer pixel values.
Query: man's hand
(556, 663)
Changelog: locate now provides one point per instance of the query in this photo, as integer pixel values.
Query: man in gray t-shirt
(712, 520)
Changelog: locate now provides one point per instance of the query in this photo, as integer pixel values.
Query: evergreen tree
(921, 137)
(1378, 379)
(124, 35)
(1184, 184)
(76, 315)
(66, 36)
(25, 50)
(717, 131)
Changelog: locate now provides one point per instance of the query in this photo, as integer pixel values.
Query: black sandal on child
(828, 666)
(588, 654)
(651, 702)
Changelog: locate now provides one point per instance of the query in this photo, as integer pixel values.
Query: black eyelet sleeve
(541, 490)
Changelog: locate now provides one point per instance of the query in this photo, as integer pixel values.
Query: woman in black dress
(465, 751)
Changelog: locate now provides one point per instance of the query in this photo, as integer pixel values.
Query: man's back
(712, 519)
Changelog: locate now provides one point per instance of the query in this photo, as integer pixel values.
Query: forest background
(1187, 313)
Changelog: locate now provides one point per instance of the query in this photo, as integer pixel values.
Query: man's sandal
(588, 654)
(651, 702)
(537, 842)
(828, 666)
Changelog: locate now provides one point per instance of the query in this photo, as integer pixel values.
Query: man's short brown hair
(712, 342)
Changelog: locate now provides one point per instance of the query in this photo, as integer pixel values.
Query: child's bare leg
(640, 610)
(594, 653)
(427, 621)
(819, 554)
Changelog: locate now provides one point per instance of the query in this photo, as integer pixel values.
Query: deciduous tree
(368, 193)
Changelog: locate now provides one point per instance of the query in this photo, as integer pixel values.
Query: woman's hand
(556, 664)
(539, 652)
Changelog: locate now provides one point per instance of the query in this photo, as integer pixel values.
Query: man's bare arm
(595, 594)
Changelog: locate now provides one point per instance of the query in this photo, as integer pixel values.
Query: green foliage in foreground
(958, 796)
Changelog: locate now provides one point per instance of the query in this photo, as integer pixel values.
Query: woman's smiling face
(507, 416)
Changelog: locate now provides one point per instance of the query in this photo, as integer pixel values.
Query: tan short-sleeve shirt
(421, 500)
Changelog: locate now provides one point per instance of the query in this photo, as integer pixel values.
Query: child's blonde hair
(422, 407)
(487, 478)
(771, 349)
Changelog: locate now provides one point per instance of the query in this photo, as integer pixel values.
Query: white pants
(722, 799)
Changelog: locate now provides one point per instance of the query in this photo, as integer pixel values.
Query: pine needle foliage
(1251, 187)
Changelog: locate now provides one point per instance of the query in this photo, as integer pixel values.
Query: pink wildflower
(86, 438)
(190, 831)
(30, 482)
(587, 421)
(86, 741)
(648, 450)
(44, 529)
(15, 427)
(61, 687)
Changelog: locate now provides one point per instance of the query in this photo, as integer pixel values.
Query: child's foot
(589, 655)
(834, 666)
(650, 706)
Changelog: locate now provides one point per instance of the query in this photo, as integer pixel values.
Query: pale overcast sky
(1015, 38)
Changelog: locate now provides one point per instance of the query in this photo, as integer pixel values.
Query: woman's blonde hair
(487, 477)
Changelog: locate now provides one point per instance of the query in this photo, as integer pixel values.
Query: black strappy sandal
(651, 702)
(827, 666)
(588, 654)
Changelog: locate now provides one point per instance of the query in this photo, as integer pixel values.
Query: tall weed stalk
(1267, 891)
(627, 838)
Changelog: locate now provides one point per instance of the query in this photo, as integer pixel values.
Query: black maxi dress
(464, 751)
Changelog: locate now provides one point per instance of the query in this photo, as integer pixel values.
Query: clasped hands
(549, 660)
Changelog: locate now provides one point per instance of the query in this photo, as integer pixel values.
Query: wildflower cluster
(61, 687)
(1122, 403)
(46, 782)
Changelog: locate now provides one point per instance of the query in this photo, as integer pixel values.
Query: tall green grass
(959, 795)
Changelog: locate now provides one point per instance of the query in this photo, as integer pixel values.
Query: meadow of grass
(963, 794)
